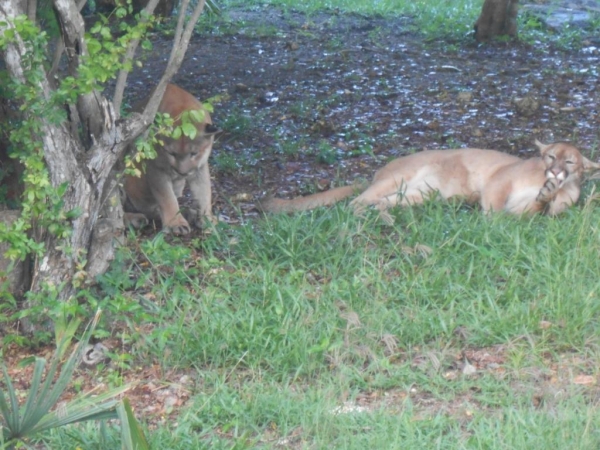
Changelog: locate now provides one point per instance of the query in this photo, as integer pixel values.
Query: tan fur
(495, 180)
(154, 194)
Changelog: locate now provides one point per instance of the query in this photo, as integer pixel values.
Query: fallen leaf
(584, 379)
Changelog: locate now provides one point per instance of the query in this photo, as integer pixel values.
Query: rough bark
(497, 18)
(86, 164)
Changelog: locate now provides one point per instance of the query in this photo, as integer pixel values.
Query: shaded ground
(305, 100)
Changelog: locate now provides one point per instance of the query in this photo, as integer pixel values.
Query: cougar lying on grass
(154, 194)
(497, 181)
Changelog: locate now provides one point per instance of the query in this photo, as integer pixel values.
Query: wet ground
(309, 100)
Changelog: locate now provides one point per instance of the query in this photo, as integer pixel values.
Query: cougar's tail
(326, 198)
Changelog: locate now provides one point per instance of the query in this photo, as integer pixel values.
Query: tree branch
(89, 106)
(60, 47)
(180, 45)
(32, 10)
(73, 30)
(123, 74)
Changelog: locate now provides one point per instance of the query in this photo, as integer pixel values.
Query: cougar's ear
(543, 147)
(211, 129)
(589, 166)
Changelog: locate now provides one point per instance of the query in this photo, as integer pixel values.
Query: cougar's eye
(551, 157)
(192, 154)
(570, 162)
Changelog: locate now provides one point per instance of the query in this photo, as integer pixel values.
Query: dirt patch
(157, 395)
(305, 99)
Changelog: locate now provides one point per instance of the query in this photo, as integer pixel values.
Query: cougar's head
(185, 155)
(564, 162)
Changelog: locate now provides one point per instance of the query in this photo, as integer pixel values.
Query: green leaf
(93, 46)
(11, 415)
(34, 417)
(34, 398)
(198, 115)
(132, 435)
(189, 130)
(64, 330)
(105, 33)
(27, 361)
(176, 134)
(9, 34)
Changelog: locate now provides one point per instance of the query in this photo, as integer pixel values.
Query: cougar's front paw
(548, 190)
(178, 226)
(203, 221)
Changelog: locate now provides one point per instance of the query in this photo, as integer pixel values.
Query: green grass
(284, 319)
(451, 21)
(431, 18)
(369, 7)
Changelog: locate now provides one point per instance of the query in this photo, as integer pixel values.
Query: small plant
(237, 123)
(22, 422)
(326, 153)
(225, 162)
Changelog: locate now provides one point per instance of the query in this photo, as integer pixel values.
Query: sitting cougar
(154, 194)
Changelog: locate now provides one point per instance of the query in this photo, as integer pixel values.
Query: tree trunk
(83, 151)
(498, 18)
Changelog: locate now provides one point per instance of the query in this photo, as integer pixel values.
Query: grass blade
(132, 435)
